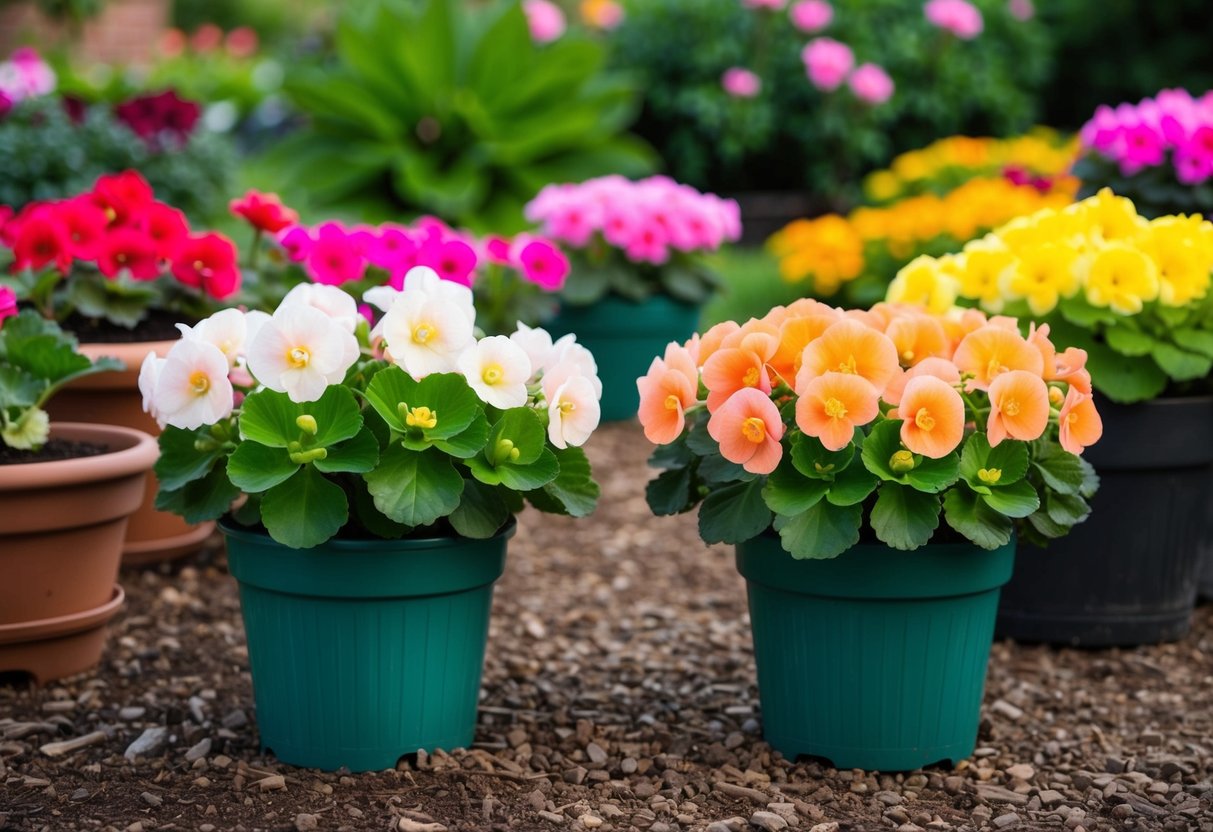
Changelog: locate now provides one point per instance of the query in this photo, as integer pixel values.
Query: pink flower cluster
(960, 17)
(545, 20)
(24, 75)
(647, 220)
(1142, 135)
(829, 63)
(332, 253)
(740, 82)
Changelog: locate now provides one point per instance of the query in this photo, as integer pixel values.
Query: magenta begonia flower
(959, 17)
(740, 82)
(827, 62)
(811, 15)
(545, 19)
(871, 84)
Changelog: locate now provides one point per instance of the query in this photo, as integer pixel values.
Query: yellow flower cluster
(1099, 251)
(1039, 153)
(831, 249)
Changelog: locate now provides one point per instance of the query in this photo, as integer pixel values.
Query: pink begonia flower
(453, 260)
(827, 62)
(392, 248)
(296, 242)
(1021, 9)
(335, 256)
(1143, 147)
(543, 264)
(871, 84)
(959, 17)
(8, 303)
(774, 5)
(497, 250)
(740, 82)
(545, 19)
(811, 15)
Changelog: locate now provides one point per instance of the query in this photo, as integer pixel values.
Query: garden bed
(618, 693)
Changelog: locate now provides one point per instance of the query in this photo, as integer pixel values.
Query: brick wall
(126, 31)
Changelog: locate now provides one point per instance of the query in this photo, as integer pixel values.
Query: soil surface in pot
(619, 687)
(53, 451)
(159, 325)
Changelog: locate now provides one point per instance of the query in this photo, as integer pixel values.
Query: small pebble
(152, 800)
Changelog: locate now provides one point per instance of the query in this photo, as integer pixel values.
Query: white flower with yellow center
(573, 412)
(570, 360)
(149, 376)
(537, 344)
(191, 388)
(498, 370)
(227, 330)
(425, 279)
(425, 333)
(300, 351)
(330, 300)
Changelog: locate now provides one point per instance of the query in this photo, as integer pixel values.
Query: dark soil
(53, 451)
(159, 325)
(618, 694)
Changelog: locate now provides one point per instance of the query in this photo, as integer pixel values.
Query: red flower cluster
(264, 212)
(120, 227)
(162, 115)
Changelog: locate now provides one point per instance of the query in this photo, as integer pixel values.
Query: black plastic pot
(1127, 575)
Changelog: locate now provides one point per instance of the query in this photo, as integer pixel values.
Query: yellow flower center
(989, 475)
(421, 417)
(567, 407)
(1011, 407)
(200, 382)
(423, 332)
(492, 374)
(1071, 418)
(299, 357)
(754, 429)
(848, 366)
(1056, 397)
(907, 356)
(994, 368)
(672, 402)
(835, 409)
(750, 379)
(924, 419)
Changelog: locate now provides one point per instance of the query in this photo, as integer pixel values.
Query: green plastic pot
(875, 659)
(364, 651)
(625, 337)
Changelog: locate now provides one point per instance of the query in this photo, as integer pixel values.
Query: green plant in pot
(873, 471)
(639, 277)
(118, 267)
(381, 470)
(447, 108)
(1130, 295)
(66, 491)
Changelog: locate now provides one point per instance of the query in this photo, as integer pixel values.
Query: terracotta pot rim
(137, 454)
(130, 353)
(63, 625)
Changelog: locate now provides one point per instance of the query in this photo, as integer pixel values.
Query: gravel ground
(618, 695)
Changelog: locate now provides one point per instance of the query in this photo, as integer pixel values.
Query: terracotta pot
(114, 399)
(62, 525)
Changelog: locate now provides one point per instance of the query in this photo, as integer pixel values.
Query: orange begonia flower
(940, 368)
(665, 394)
(1081, 425)
(918, 337)
(850, 347)
(794, 335)
(748, 428)
(933, 416)
(1038, 337)
(713, 338)
(989, 352)
(731, 369)
(832, 405)
(1019, 407)
(1071, 368)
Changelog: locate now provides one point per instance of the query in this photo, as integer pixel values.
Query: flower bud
(902, 462)
(990, 476)
(304, 457)
(307, 424)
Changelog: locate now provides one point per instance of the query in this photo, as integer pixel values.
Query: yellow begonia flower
(1180, 248)
(1042, 276)
(924, 281)
(1122, 278)
(981, 273)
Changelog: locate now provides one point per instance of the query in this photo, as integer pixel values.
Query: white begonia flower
(192, 388)
(300, 351)
(573, 412)
(31, 431)
(330, 300)
(536, 342)
(572, 360)
(426, 333)
(226, 329)
(381, 297)
(425, 279)
(149, 375)
(498, 370)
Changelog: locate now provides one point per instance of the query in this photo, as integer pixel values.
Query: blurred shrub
(450, 109)
(793, 136)
(48, 155)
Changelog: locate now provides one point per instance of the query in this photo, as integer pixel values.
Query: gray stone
(768, 821)
(1008, 821)
(148, 741)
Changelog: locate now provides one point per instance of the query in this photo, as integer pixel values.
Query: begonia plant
(332, 428)
(829, 427)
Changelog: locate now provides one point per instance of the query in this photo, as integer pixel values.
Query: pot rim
(231, 529)
(137, 456)
(63, 625)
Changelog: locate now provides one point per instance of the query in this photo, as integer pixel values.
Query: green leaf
(734, 514)
(41, 349)
(537, 474)
(1066, 509)
(533, 467)
(965, 512)
(813, 460)
(270, 418)
(1010, 459)
(1047, 526)
(305, 510)
(574, 486)
(254, 468)
(1181, 365)
(415, 487)
(904, 518)
(18, 388)
(447, 395)
(883, 441)
(355, 456)
(481, 512)
(1194, 340)
(789, 492)
(699, 440)
(180, 461)
(852, 486)
(1129, 341)
(522, 427)
(372, 518)
(716, 469)
(201, 499)
(1015, 500)
(824, 531)
(934, 475)
(669, 492)
(1060, 470)
(1124, 379)
(469, 442)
